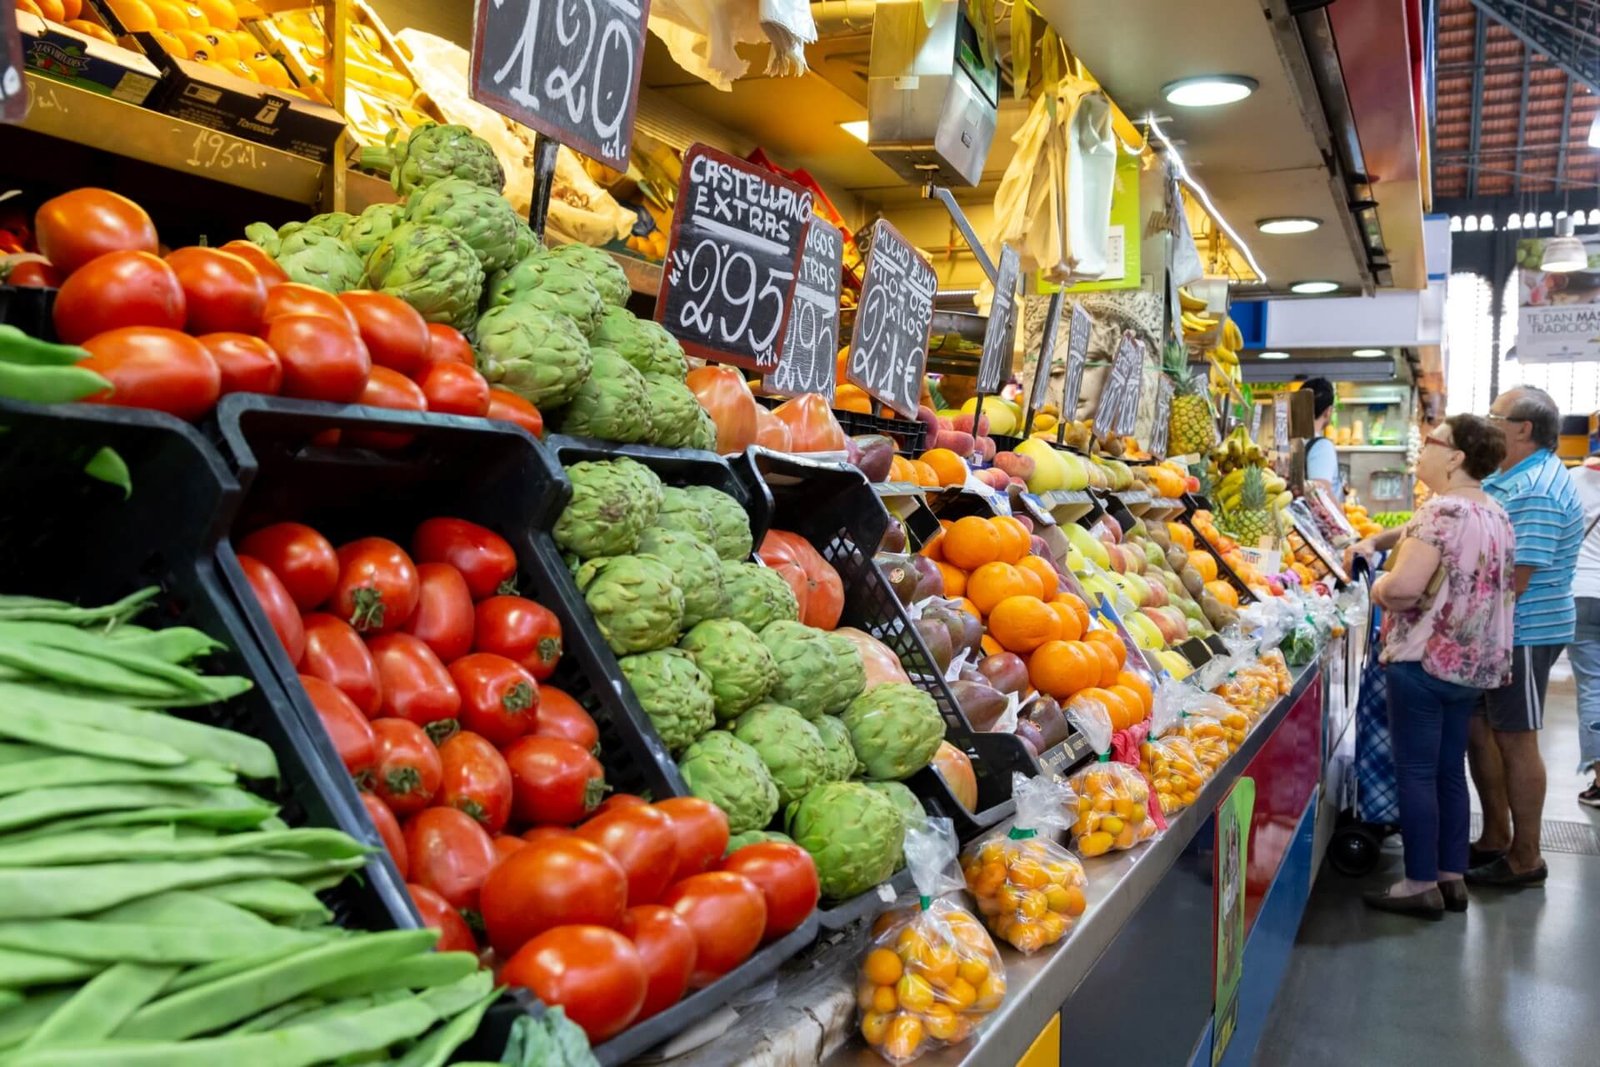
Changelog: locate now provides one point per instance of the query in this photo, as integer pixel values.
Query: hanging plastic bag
(703, 36)
(1174, 770)
(1113, 809)
(789, 26)
(1029, 889)
(931, 973)
(1273, 660)
(1091, 718)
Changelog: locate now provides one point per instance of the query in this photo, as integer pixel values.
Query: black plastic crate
(70, 537)
(29, 309)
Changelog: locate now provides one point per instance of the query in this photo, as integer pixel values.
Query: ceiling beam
(1480, 37)
(1566, 129)
(1549, 27)
(1522, 112)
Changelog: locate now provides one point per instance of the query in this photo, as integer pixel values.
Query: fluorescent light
(1273, 355)
(1313, 288)
(1200, 193)
(1370, 353)
(1210, 90)
(1288, 224)
(856, 129)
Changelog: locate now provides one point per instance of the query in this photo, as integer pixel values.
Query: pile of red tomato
(175, 333)
(482, 780)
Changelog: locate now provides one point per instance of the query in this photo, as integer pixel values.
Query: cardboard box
(53, 51)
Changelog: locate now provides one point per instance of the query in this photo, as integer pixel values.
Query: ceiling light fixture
(1210, 90)
(857, 129)
(1288, 224)
(1274, 355)
(1370, 353)
(1313, 288)
(1154, 126)
(1564, 252)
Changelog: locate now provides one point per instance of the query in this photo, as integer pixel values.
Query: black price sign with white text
(1077, 356)
(811, 346)
(1158, 434)
(889, 347)
(1119, 396)
(996, 361)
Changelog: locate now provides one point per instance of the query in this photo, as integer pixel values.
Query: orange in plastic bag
(1274, 661)
(1174, 770)
(1029, 889)
(1113, 808)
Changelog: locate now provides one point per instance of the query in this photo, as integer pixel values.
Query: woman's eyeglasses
(1441, 442)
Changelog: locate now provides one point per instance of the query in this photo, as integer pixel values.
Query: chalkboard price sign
(1046, 366)
(567, 68)
(1077, 356)
(1280, 423)
(810, 347)
(737, 236)
(13, 93)
(1158, 435)
(889, 348)
(1119, 397)
(996, 361)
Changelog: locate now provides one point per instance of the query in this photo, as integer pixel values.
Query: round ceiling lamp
(1313, 288)
(1210, 90)
(1564, 252)
(1288, 224)
(1370, 353)
(1274, 355)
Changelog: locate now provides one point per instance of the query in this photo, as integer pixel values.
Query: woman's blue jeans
(1584, 652)
(1428, 721)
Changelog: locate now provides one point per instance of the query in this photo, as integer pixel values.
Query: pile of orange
(206, 31)
(1029, 891)
(1113, 810)
(912, 472)
(1174, 771)
(928, 981)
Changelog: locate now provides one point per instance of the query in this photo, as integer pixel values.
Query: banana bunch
(1197, 326)
(1230, 488)
(1236, 453)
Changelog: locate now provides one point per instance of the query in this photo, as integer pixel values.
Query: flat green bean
(352, 1005)
(106, 942)
(182, 907)
(76, 668)
(9, 998)
(436, 1049)
(29, 717)
(48, 384)
(230, 809)
(276, 1018)
(123, 654)
(273, 898)
(211, 972)
(22, 810)
(19, 347)
(12, 753)
(101, 1005)
(53, 771)
(20, 1021)
(94, 847)
(42, 609)
(222, 688)
(420, 972)
(19, 970)
(176, 644)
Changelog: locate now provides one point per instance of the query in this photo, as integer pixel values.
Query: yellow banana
(1189, 302)
(1231, 337)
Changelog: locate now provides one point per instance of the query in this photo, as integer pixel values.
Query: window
(1470, 351)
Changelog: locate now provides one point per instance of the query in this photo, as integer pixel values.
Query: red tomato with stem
(378, 588)
(77, 227)
(595, 974)
(702, 830)
(221, 291)
(454, 933)
(509, 407)
(506, 844)
(446, 344)
(388, 827)
(484, 558)
(450, 854)
(152, 367)
(642, 839)
(520, 629)
(416, 686)
(553, 882)
(444, 616)
(499, 699)
(390, 389)
(293, 298)
(32, 274)
(336, 654)
(347, 728)
(277, 605)
(455, 389)
(666, 948)
(787, 878)
(727, 915)
(561, 716)
(246, 363)
(301, 557)
(618, 800)
(476, 780)
(322, 358)
(395, 333)
(553, 781)
(119, 289)
(409, 771)
(267, 267)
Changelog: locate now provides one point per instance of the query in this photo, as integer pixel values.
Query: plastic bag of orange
(1174, 770)
(1273, 660)
(1251, 689)
(931, 973)
(1113, 809)
(1029, 889)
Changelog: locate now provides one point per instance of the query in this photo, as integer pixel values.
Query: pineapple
(1190, 427)
(1251, 520)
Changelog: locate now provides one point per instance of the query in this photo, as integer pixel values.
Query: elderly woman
(1449, 601)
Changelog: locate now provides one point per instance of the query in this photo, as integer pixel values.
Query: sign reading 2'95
(889, 347)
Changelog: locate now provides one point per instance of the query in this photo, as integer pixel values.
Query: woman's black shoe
(1455, 894)
(1428, 904)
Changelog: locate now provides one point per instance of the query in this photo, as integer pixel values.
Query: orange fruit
(196, 17)
(1092, 703)
(136, 15)
(1071, 626)
(169, 16)
(198, 45)
(1205, 563)
(1014, 538)
(992, 583)
(1109, 665)
(171, 43)
(900, 469)
(1134, 701)
(882, 967)
(70, 10)
(52, 10)
(1079, 608)
(934, 548)
(222, 45)
(1046, 572)
(1031, 580)
(955, 579)
(1023, 623)
(1132, 681)
(1112, 642)
(1053, 669)
(971, 543)
(990, 646)
(1224, 591)
(219, 13)
(950, 468)
(970, 608)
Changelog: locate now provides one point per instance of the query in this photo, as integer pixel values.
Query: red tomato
(506, 844)
(545, 833)
(32, 274)
(378, 588)
(336, 654)
(552, 882)
(787, 878)
(276, 605)
(727, 915)
(388, 828)
(75, 227)
(476, 780)
(387, 389)
(416, 686)
(455, 389)
(499, 699)
(347, 728)
(152, 367)
(256, 256)
(595, 974)
(643, 840)
(450, 854)
(220, 290)
(484, 558)
(666, 948)
(702, 832)
(247, 363)
(520, 629)
(553, 781)
(509, 407)
(322, 359)
(443, 619)
(293, 298)
(618, 800)
(446, 344)
(454, 933)
(119, 289)
(561, 716)
(395, 333)
(301, 558)
(409, 771)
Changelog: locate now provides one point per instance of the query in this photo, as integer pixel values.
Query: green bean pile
(43, 373)
(152, 909)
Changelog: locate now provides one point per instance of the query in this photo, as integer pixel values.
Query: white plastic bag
(1029, 889)
(703, 36)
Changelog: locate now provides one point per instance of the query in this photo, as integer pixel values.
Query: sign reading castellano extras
(889, 346)
(810, 347)
(1558, 314)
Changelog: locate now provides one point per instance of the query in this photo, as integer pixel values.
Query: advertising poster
(1558, 314)
(1232, 848)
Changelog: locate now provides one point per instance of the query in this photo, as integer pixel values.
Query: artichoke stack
(610, 404)
(740, 667)
(434, 153)
(479, 216)
(854, 834)
(635, 602)
(313, 252)
(673, 692)
(430, 268)
(613, 503)
(724, 770)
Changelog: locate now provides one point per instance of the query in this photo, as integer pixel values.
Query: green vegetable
(44, 805)
(49, 384)
(19, 347)
(419, 972)
(41, 609)
(54, 770)
(101, 1005)
(272, 897)
(106, 466)
(435, 1050)
(62, 849)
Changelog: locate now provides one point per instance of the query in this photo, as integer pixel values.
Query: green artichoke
(481, 217)
(728, 515)
(758, 596)
(264, 236)
(738, 664)
(433, 153)
(905, 802)
(724, 770)
(550, 284)
(805, 660)
(854, 834)
(696, 567)
(368, 229)
(527, 241)
(895, 729)
(754, 837)
(635, 602)
(842, 764)
(311, 257)
(329, 224)
(673, 692)
(849, 675)
(704, 434)
(431, 269)
(682, 510)
(610, 404)
(645, 344)
(789, 746)
(602, 269)
(535, 354)
(613, 502)
(674, 411)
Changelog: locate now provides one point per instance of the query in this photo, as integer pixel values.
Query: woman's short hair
(1480, 441)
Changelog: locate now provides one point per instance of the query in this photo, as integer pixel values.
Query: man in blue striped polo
(1503, 748)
